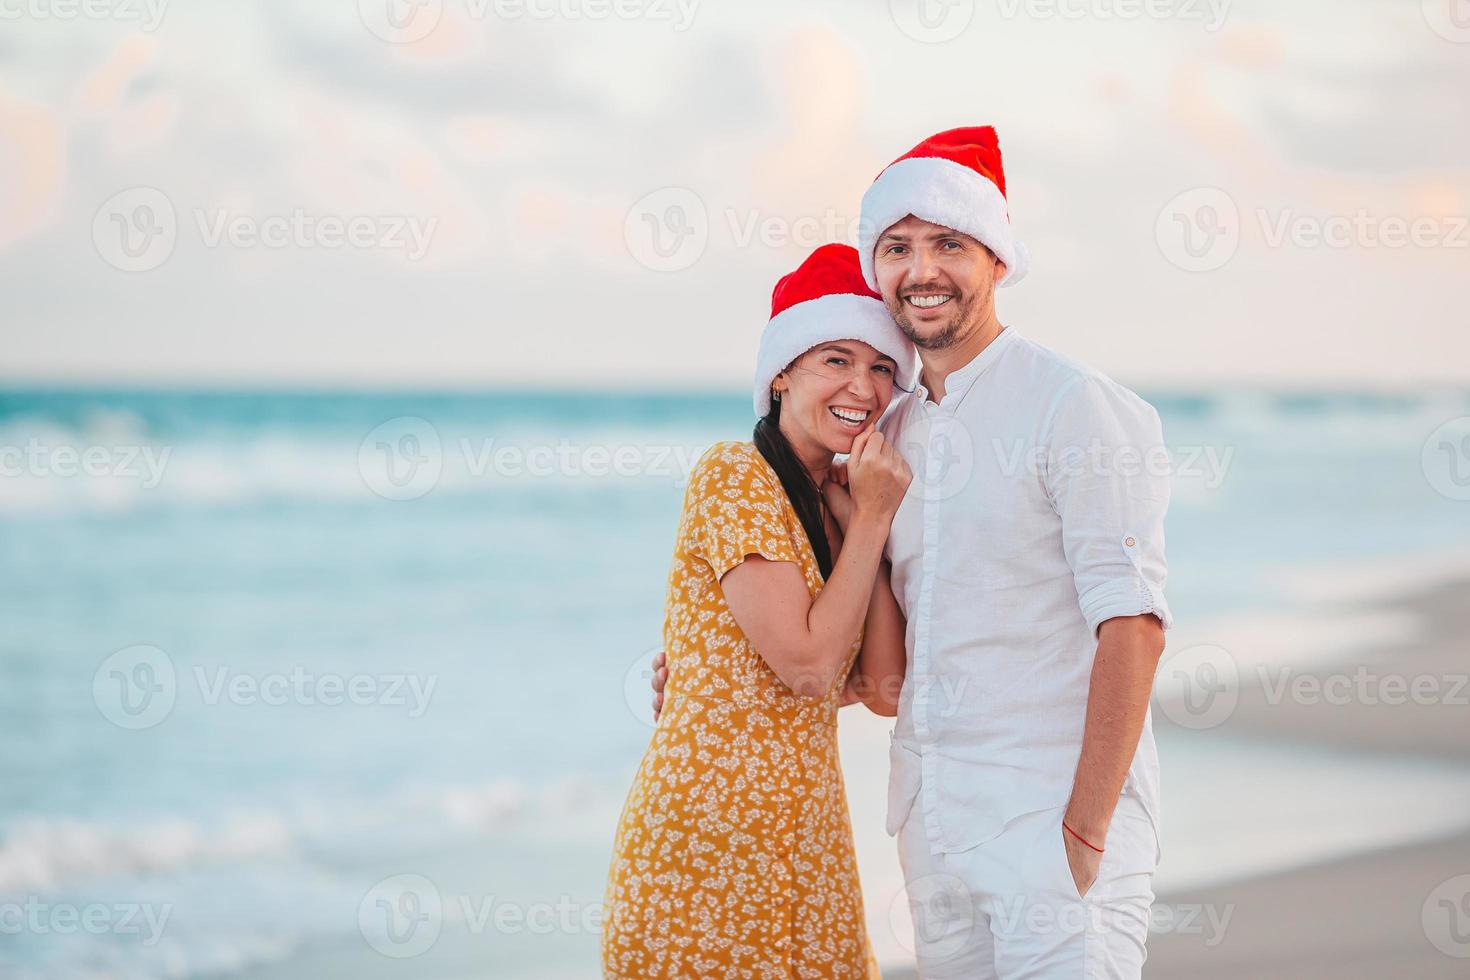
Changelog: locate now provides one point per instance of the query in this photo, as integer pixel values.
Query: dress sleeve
(734, 510)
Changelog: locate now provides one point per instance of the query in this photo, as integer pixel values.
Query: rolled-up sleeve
(1107, 472)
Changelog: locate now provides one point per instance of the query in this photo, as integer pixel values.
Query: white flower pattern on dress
(734, 855)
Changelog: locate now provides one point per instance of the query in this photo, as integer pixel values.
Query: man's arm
(1112, 513)
(1128, 651)
(876, 678)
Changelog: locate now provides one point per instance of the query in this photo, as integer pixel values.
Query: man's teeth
(928, 302)
(848, 415)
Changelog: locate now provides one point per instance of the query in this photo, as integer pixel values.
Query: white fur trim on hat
(945, 193)
(836, 316)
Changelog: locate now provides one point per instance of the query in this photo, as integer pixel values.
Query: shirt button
(1129, 542)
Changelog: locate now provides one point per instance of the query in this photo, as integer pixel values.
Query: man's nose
(922, 267)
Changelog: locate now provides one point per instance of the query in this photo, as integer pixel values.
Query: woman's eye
(951, 243)
(884, 368)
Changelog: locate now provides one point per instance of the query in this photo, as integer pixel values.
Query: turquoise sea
(261, 651)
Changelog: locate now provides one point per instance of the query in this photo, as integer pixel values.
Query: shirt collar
(962, 377)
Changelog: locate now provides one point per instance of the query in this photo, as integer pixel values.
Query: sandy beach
(1400, 910)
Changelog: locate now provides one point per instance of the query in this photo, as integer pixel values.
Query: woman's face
(833, 392)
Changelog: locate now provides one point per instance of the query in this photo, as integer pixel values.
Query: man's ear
(999, 271)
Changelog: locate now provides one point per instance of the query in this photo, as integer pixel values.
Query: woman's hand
(877, 477)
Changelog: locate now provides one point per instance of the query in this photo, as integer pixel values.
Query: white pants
(1008, 908)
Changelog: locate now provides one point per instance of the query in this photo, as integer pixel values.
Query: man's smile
(927, 301)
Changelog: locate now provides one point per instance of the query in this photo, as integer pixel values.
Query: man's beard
(947, 337)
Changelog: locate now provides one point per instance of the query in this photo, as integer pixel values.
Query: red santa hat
(954, 178)
(826, 299)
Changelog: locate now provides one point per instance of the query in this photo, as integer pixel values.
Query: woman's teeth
(928, 302)
(849, 417)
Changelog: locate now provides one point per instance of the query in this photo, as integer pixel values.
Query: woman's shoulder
(731, 465)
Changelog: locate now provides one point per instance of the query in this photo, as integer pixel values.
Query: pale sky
(506, 173)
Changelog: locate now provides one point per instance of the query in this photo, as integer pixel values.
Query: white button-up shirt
(1036, 512)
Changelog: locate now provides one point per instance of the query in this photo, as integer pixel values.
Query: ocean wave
(48, 469)
(250, 451)
(43, 854)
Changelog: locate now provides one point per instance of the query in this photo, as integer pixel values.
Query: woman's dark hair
(806, 496)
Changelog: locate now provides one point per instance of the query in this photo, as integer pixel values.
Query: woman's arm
(806, 641)
(877, 677)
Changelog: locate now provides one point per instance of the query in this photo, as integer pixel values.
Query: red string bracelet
(1081, 838)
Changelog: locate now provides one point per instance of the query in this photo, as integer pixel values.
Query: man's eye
(950, 243)
(836, 360)
(895, 249)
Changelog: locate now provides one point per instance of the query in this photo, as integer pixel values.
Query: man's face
(938, 283)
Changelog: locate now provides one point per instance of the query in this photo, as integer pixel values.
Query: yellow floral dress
(734, 854)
